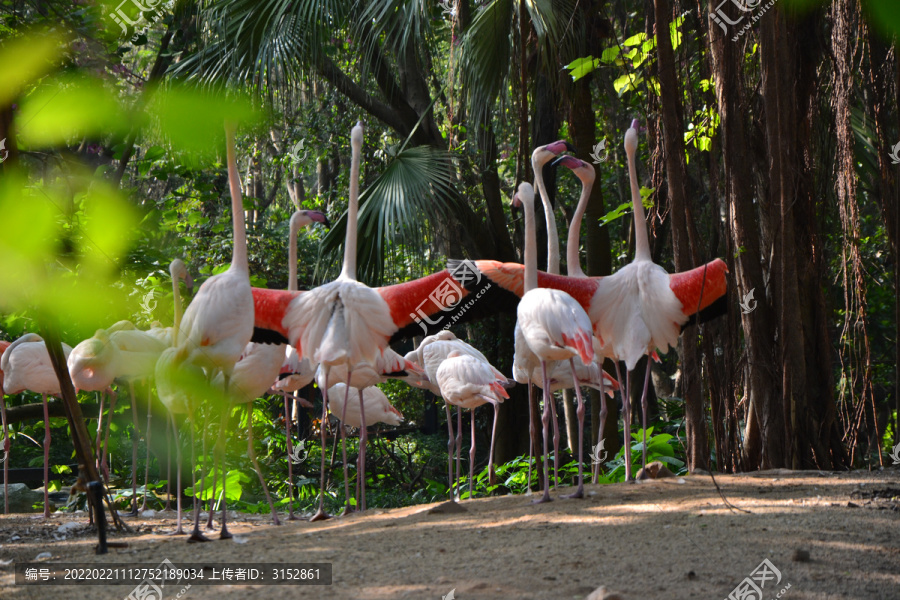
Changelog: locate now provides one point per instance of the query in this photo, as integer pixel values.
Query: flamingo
(439, 346)
(342, 323)
(539, 158)
(5, 441)
(26, 366)
(642, 313)
(175, 383)
(468, 382)
(295, 373)
(553, 327)
(252, 376)
(360, 377)
(218, 324)
(585, 173)
(376, 409)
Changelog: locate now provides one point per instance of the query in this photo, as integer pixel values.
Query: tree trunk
(683, 238)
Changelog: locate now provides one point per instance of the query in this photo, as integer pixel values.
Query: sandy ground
(671, 538)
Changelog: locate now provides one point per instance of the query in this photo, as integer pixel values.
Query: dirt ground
(672, 538)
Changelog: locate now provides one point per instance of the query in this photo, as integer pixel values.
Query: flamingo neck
(530, 245)
(239, 255)
(552, 234)
(176, 294)
(641, 242)
(573, 244)
(349, 269)
(292, 257)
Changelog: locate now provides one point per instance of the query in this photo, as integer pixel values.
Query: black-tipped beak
(555, 162)
(189, 284)
(571, 148)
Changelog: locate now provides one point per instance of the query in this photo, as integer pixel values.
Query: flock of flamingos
(245, 341)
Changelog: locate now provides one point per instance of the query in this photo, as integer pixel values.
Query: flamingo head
(305, 218)
(584, 171)
(631, 139)
(525, 195)
(356, 135)
(542, 154)
(178, 270)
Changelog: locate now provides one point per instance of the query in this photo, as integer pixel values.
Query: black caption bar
(167, 574)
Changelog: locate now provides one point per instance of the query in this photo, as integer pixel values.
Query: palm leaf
(401, 208)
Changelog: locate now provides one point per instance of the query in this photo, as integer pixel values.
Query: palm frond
(413, 195)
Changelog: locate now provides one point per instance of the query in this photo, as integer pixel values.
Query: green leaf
(72, 107)
(635, 39)
(26, 59)
(627, 82)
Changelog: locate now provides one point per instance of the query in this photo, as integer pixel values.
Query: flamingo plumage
(553, 327)
(26, 366)
(4, 443)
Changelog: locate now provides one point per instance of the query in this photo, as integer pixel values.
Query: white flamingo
(218, 324)
(468, 382)
(551, 326)
(640, 310)
(26, 366)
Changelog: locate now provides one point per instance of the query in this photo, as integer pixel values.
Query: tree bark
(683, 238)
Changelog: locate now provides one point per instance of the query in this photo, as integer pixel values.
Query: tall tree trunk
(683, 237)
(742, 218)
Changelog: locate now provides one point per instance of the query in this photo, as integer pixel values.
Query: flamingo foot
(196, 536)
(320, 515)
(544, 498)
(579, 493)
(225, 534)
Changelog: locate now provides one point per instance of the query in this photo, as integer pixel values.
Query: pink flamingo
(551, 326)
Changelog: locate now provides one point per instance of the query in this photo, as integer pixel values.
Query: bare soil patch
(671, 538)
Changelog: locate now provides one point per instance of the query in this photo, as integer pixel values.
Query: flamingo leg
(102, 397)
(147, 458)
(169, 464)
(603, 413)
(224, 534)
(178, 529)
(46, 457)
(320, 513)
(361, 459)
(644, 403)
(104, 468)
(458, 448)
(545, 421)
(450, 447)
(472, 458)
(196, 536)
(493, 436)
(344, 447)
(252, 455)
(531, 433)
(5, 449)
(134, 442)
(290, 450)
(555, 421)
(215, 473)
(579, 493)
(625, 390)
